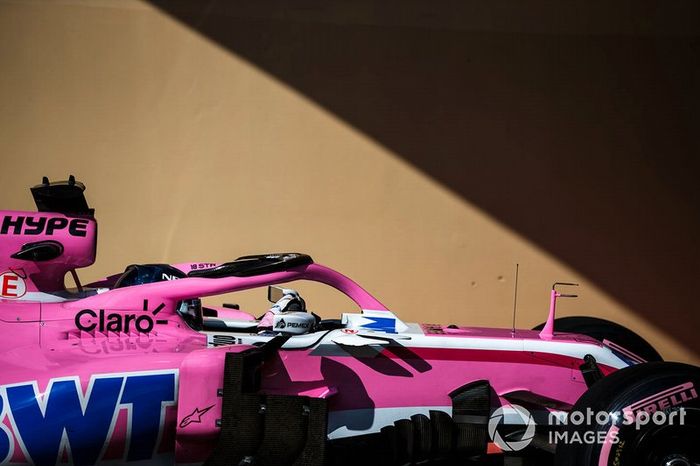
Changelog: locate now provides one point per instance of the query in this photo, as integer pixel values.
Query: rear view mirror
(274, 293)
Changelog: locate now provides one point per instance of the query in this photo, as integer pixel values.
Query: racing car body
(135, 368)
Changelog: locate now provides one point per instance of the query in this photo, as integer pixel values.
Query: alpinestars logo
(281, 324)
(195, 417)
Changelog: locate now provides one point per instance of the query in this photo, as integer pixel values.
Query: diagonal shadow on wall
(577, 129)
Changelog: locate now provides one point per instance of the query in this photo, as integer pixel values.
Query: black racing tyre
(670, 436)
(602, 329)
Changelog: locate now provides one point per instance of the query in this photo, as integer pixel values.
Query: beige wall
(191, 152)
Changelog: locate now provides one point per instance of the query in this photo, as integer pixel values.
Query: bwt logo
(12, 285)
(22, 225)
(119, 322)
(64, 419)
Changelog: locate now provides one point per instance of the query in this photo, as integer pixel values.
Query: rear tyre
(667, 392)
(602, 329)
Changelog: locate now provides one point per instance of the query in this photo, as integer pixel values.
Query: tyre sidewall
(621, 392)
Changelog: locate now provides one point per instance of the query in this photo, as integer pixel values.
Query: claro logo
(22, 225)
(119, 322)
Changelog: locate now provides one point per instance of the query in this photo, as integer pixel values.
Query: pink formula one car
(135, 369)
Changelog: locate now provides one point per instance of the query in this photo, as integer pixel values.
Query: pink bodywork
(40, 343)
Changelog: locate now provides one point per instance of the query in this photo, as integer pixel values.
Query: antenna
(515, 296)
(547, 332)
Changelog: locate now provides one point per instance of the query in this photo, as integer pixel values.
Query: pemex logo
(512, 444)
